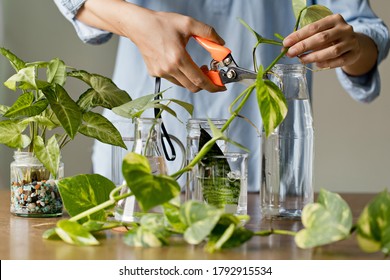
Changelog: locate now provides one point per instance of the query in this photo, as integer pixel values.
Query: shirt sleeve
(86, 33)
(359, 14)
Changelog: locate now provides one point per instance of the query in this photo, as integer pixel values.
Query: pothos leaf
(150, 190)
(271, 102)
(313, 13)
(373, 227)
(82, 192)
(298, 6)
(228, 233)
(200, 218)
(328, 220)
(74, 233)
(151, 233)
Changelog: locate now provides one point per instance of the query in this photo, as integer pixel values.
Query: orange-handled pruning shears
(222, 58)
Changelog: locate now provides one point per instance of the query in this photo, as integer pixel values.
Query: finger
(331, 51)
(340, 61)
(308, 31)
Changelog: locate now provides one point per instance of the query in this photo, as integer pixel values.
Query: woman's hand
(161, 38)
(330, 43)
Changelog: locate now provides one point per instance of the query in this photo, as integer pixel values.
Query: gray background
(352, 145)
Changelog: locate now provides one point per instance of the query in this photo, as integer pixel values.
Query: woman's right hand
(161, 37)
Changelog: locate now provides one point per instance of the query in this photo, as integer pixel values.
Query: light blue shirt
(267, 18)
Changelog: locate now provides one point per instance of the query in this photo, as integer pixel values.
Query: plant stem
(274, 231)
(276, 60)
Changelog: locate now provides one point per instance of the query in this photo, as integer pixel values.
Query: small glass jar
(34, 192)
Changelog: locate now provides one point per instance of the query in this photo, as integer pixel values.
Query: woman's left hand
(331, 42)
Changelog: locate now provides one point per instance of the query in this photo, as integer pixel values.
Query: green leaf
(151, 233)
(272, 103)
(50, 234)
(15, 61)
(298, 6)
(313, 13)
(24, 76)
(327, 221)
(149, 190)
(200, 218)
(49, 155)
(3, 109)
(11, 134)
(228, 233)
(82, 192)
(104, 92)
(40, 120)
(66, 110)
(257, 35)
(136, 106)
(98, 127)
(75, 234)
(172, 214)
(25, 106)
(56, 72)
(186, 106)
(373, 227)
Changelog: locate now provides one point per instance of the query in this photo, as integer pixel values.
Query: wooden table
(21, 240)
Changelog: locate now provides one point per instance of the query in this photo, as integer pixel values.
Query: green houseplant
(200, 223)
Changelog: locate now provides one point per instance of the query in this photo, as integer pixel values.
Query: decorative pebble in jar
(34, 192)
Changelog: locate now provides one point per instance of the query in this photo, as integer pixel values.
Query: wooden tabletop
(21, 239)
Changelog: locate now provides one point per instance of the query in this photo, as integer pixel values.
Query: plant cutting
(198, 222)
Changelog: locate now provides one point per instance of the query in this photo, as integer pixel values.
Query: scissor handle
(217, 52)
(213, 75)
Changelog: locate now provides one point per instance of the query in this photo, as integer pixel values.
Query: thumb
(208, 32)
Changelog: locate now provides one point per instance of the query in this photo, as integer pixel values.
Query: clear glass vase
(34, 192)
(288, 153)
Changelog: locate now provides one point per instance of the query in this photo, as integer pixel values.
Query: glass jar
(287, 153)
(34, 192)
(196, 128)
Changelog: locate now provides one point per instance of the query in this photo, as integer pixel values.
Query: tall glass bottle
(287, 154)
(147, 142)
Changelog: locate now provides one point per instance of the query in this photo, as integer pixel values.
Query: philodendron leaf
(373, 227)
(15, 61)
(74, 233)
(82, 192)
(150, 190)
(11, 134)
(326, 221)
(271, 102)
(200, 219)
(103, 92)
(25, 106)
(49, 154)
(313, 13)
(98, 127)
(26, 76)
(66, 110)
(3, 109)
(56, 72)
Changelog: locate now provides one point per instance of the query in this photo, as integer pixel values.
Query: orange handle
(213, 76)
(216, 51)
